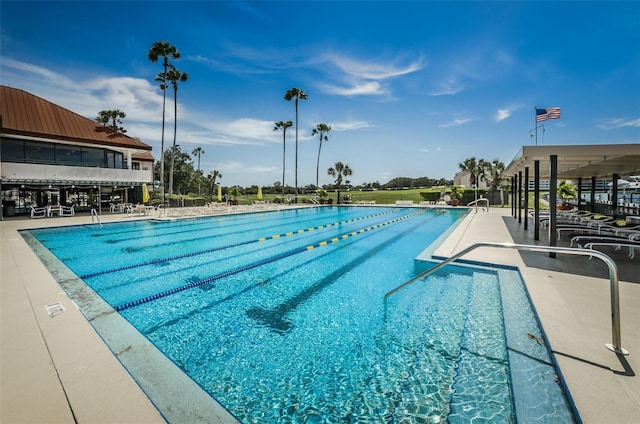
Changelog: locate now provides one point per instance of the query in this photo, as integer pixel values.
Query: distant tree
(112, 119)
(184, 171)
(493, 172)
(297, 94)
(281, 125)
(338, 171)
(211, 180)
(321, 129)
(197, 152)
(162, 49)
(472, 166)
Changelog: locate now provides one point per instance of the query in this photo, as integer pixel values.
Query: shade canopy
(580, 161)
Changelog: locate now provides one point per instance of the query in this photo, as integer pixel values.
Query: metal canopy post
(526, 198)
(536, 199)
(519, 197)
(592, 206)
(614, 195)
(579, 192)
(513, 196)
(553, 204)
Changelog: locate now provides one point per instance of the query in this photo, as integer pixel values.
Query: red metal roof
(143, 156)
(22, 113)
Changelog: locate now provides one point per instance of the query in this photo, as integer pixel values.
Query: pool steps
(614, 346)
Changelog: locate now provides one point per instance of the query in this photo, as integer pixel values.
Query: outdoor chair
(42, 212)
(66, 211)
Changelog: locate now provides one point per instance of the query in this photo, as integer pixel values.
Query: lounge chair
(583, 240)
(631, 244)
(577, 229)
(42, 212)
(66, 211)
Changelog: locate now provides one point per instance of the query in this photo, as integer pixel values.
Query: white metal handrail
(482, 199)
(95, 213)
(615, 346)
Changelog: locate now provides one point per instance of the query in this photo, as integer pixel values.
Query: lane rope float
(229, 246)
(194, 284)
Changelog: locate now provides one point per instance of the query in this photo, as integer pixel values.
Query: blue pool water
(280, 315)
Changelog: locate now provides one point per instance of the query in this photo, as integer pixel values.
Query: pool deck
(55, 368)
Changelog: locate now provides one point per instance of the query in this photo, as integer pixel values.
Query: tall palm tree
(338, 171)
(321, 129)
(197, 152)
(174, 76)
(283, 126)
(162, 49)
(297, 94)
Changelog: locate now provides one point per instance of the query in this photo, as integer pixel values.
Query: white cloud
(371, 70)
(367, 88)
(455, 123)
(350, 125)
(234, 167)
(618, 123)
(243, 131)
(139, 99)
(27, 68)
(448, 87)
(502, 114)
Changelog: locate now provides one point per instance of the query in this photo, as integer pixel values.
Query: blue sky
(409, 88)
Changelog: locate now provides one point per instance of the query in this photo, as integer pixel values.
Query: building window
(12, 151)
(135, 165)
(35, 152)
(58, 154)
(68, 155)
(114, 160)
(93, 157)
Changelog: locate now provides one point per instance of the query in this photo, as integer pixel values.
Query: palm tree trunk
(284, 154)
(296, 149)
(175, 131)
(164, 100)
(318, 162)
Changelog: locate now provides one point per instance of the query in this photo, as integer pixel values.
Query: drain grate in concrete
(55, 309)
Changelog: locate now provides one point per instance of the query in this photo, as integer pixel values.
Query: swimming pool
(279, 315)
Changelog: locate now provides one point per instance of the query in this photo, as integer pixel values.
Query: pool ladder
(615, 346)
(475, 203)
(95, 213)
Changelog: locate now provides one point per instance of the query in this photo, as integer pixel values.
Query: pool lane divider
(242, 243)
(194, 284)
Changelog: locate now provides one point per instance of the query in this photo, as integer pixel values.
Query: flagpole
(535, 121)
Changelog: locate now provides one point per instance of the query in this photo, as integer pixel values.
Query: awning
(65, 183)
(580, 161)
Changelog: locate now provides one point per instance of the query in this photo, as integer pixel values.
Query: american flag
(548, 113)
